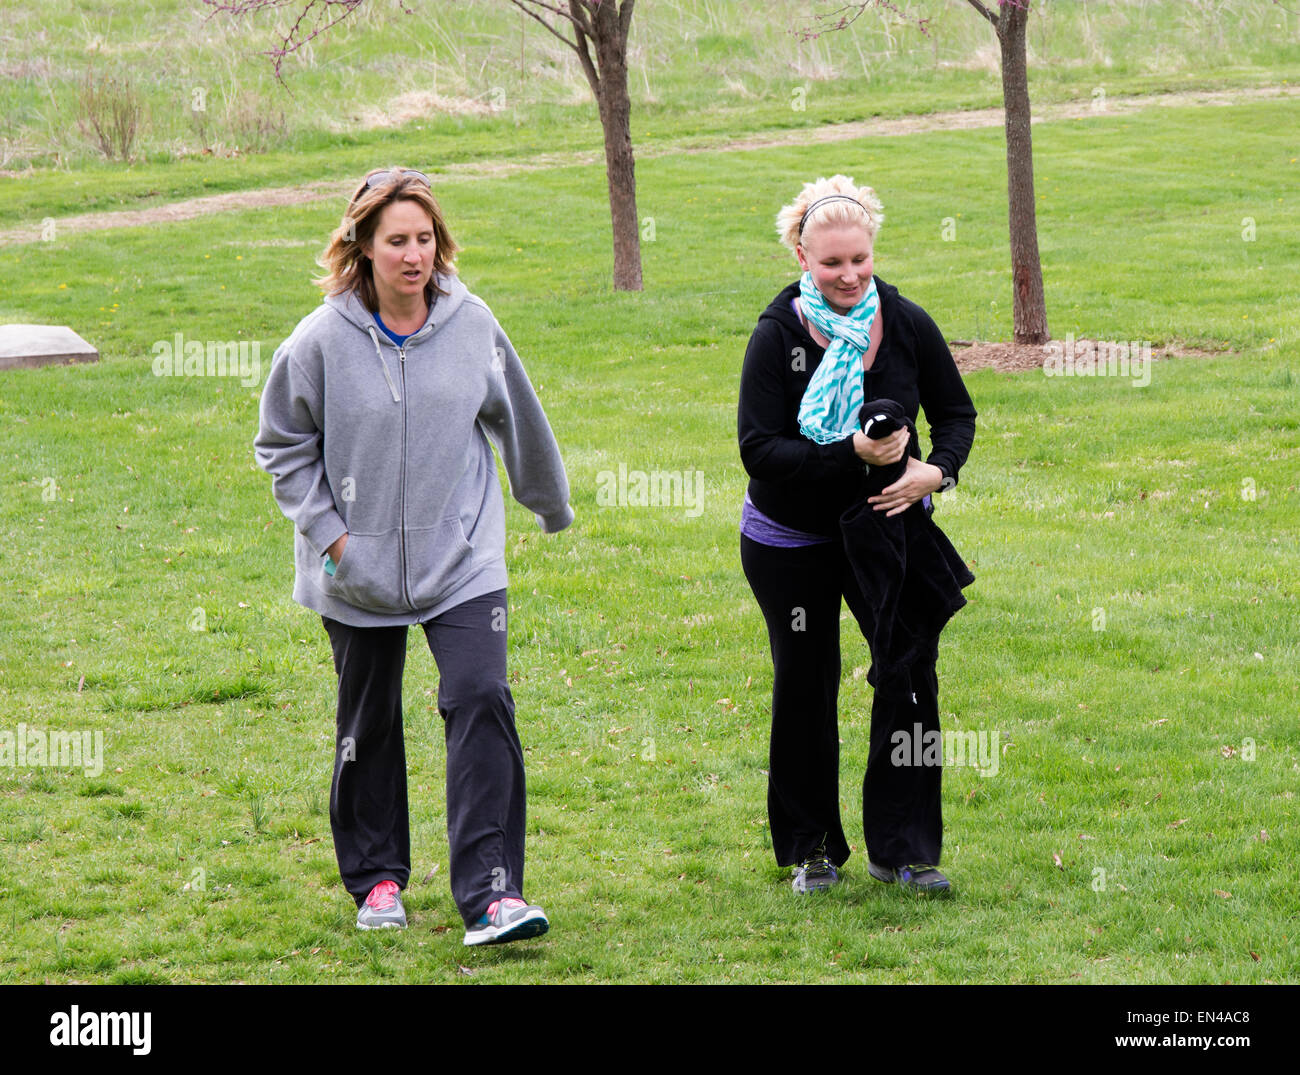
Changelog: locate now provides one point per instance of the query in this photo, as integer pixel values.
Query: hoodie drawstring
(387, 376)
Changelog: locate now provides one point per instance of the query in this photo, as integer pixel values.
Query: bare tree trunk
(620, 166)
(1010, 21)
(1029, 309)
(605, 24)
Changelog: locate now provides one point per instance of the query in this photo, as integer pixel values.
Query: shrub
(110, 111)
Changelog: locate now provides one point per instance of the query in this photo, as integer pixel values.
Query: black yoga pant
(799, 592)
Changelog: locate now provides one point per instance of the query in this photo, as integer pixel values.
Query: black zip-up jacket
(806, 485)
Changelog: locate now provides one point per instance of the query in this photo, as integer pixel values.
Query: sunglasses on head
(380, 178)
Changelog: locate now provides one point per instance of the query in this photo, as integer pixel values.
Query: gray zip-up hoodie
(391, 446)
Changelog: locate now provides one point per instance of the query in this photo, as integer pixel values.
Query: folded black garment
(906, 567)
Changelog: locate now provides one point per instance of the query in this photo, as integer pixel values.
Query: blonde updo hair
(346, 266)
(868, 212)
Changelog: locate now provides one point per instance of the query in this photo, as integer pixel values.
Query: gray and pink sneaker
(508, 920)
(383, 908)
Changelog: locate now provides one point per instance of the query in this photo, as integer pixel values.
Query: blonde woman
(376, 427)
(809, 461)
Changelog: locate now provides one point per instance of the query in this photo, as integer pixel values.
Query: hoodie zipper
(401, 486)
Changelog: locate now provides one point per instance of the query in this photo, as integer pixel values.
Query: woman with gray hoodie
(377, 426)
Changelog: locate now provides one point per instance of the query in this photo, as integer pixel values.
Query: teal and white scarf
(832, 403)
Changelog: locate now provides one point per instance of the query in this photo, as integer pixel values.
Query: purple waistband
(758, 527)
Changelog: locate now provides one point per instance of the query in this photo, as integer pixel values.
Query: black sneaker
(816, 873)
(919, 878)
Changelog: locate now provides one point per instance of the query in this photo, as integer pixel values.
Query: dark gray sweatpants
(485, 763)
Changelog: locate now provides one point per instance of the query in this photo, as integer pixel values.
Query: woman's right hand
(879, 453)
(336, 550)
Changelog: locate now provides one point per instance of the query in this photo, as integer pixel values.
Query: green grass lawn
(1130, 636)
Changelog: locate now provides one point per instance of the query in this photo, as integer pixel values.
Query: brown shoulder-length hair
(346, 266)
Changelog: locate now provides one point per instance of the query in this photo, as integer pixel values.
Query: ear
(803, 258)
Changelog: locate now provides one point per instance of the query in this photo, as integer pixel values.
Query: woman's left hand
(919, 479)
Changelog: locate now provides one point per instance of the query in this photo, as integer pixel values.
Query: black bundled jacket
(808, 486)
(907, 570)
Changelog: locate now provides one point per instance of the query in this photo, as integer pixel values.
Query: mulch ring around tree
(1017, 357)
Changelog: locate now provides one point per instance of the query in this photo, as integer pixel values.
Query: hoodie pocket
(368, 574)
(438, 557)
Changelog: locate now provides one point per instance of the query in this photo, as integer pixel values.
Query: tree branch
(857, 9)
(984, 11)
(292, 41)
(580, 16)
(520, 4)
(585, 29)
(588, 65)
(578, 44)
(625, 18)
